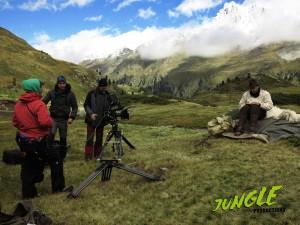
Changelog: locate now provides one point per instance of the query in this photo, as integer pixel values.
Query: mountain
(183, 76)
(18, 61)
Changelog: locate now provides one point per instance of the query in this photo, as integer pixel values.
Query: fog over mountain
(236, 26)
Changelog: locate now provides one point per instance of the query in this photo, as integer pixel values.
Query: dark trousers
(62, 126)
(36, 156)
(92, 148)
(251, 113)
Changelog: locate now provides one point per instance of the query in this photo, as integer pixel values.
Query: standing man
(63, 110)
(33, 122)
(97, 102)
(253, 107)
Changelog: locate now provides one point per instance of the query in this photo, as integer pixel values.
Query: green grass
(198, 171)
(177, 114)
(18, 60)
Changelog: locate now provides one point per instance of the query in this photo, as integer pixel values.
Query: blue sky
(62, 22)
(76, 30)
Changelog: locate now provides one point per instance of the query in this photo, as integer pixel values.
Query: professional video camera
(112, 116)
(115, 112)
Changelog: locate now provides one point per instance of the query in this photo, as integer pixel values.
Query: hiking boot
(252, 130)
(238, 131)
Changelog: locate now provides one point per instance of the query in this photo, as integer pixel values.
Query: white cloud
(172, 13)
(146, 13)
(79, 3)
(35, 5)
(189, 7)
(5, 4)
(236, 26)
(95, 43)
(124, 4)
(94, 18)
(41, 38)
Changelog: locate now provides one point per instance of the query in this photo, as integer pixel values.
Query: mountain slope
(18, 61)
(183, 76)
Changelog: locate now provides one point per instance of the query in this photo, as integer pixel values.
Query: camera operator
(97, 102)
(33, 122)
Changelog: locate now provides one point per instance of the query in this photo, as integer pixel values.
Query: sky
(75, 30)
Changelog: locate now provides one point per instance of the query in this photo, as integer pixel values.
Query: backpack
(25, 213)
(13, 157)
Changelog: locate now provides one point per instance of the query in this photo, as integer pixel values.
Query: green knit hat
(32, 85)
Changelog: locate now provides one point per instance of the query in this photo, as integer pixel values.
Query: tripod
(117, 147)
(106, 166)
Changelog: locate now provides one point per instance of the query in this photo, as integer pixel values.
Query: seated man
(253, 107)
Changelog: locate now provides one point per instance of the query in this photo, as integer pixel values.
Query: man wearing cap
(63, 110)
(97, 102)
(33, 122)
(253, 107)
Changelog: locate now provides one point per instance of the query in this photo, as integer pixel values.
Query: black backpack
(14, 156)
(25, 213)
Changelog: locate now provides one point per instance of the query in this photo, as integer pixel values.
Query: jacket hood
(67, 90)
(29, 97)
(32, 85)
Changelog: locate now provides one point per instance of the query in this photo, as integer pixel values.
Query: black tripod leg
(76, 191)
(128, 142)
(108, 138)
(137, 172)
(106, 174)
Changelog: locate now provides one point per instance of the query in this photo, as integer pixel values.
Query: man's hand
(94, 116)
(70, 120)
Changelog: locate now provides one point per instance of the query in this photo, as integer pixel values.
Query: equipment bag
(24, 214)
(13, 157)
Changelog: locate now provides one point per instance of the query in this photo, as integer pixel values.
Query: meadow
(171, 141)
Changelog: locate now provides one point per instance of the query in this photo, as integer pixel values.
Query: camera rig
(105, 168)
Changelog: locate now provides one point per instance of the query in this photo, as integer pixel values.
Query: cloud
(146, 13)
(172, 13)
(41, 38)
(5, 4)
(235, 27)
(35, 5)
(126, 3)
(94, 18)
(96, 43)
(79, 3)
(189, 7)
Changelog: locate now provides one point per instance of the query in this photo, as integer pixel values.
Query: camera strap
(33, 115)
(29, 110)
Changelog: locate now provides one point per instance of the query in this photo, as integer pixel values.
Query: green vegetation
(168, 133)
(184, 76)
(19, 61)
(177, 114)
(198, 171)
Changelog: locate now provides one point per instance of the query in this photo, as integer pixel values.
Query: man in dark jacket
(33, 122)
(63, 110)
(97, 102)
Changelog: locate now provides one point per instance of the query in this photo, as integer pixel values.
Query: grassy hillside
(18, 61)
(198, 171)
(183, 76)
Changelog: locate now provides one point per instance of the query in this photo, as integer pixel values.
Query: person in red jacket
(33, 122)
